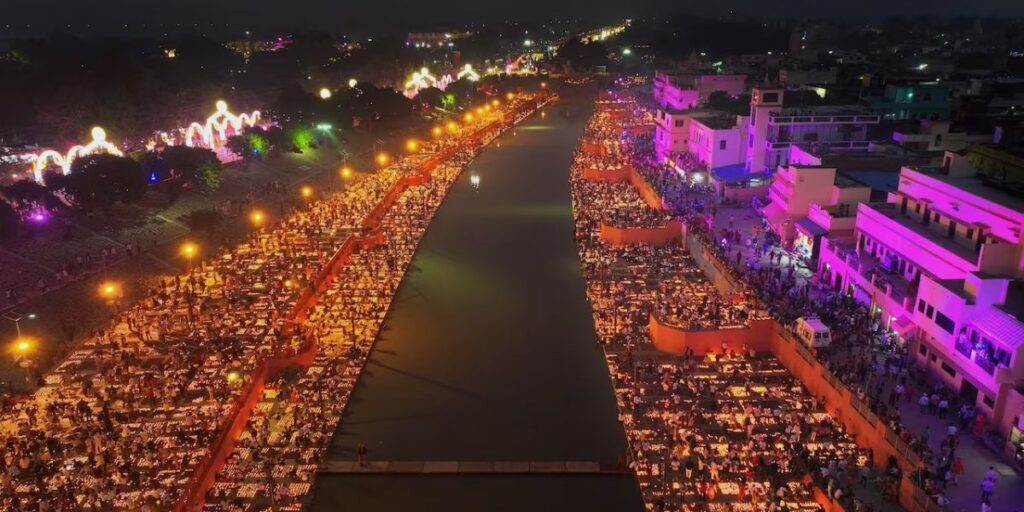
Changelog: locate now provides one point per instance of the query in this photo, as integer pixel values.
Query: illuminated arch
(98, 144)
(468, 73)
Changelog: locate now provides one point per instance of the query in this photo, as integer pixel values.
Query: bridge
(350, 467)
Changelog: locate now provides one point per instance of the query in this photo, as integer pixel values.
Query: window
(931, 312)
(770, 97)
(949, 370)
(680, 123)
(921, 349)
(721, 144)
(945, 322)
(987, 400)
(750, 141)
(932, 358)
(920, 305)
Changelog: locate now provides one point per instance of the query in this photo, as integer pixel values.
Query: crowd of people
(274, 461)
(867, 358)
(726, 432)
(125, 422)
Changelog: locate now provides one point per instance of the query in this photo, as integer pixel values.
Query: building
(717, 141)
(911, 102)
(687, 90)
(939, 264)
(929, 135)
(810, 181)
(819, 192)
(672, 129)
(773, 128)
(816, 76)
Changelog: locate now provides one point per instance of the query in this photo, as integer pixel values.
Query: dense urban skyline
(123, 16)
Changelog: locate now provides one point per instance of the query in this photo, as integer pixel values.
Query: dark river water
(489, 352)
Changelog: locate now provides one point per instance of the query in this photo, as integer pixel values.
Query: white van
(813, 333)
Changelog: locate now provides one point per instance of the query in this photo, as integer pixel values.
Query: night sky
(345, 15)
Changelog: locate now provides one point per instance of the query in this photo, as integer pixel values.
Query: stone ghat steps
(346, 467)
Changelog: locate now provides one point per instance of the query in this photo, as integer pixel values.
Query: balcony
(833, 217)
(915, 236)
(778, 119)
(985, 364)
(963, 346)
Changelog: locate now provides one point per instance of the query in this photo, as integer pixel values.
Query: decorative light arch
(468, 73)
(419, 80)
(98, 144)
(215, 129)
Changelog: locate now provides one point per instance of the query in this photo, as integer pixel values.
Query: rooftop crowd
(128, 418)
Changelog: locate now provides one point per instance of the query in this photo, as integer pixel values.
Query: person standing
(988, 486)
(361, 452)
(958, 469)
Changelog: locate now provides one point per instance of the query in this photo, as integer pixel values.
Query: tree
(102, 180)
(187, 166)
(25, 192)
(210, 175)
(204, 220)
(240, 146)
(9, 220)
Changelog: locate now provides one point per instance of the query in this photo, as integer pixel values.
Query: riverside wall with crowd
(221, 388)
(889, 453)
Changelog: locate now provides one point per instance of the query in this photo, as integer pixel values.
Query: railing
(964, 347)
(986, 364)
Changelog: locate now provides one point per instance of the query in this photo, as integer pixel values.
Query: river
(489, 351)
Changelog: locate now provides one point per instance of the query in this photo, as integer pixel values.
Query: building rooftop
(718, 122)
(964, 253)
(1014, 304)
(885, 181)
(977, 187)
(1001, 325)
(824, 110)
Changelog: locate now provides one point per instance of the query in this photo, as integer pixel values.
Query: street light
(306, 191)
(436, 131)
(411, 145)
(468, 117)
(110, 290)
(189, 249)
(256, 217)
(346, 173)
(452, 126)
(352, 82)
(22, 346)
(233, 377)
(495, 103)
(509, 96)
(383, 159)
(325, 93)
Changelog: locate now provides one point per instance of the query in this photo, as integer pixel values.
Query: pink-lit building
(715, 138)
(796, 189)
(688, 90)
(939, 262)
(773, 128)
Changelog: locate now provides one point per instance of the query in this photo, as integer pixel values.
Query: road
(489, 352)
